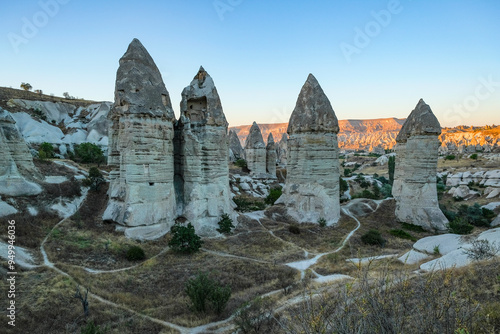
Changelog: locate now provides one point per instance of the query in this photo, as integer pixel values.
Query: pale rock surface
(202, 157)
(491, 192)
(463, 192)
(311, 191)
(271, 156)
(491, 206)
(282, 149)
(255, 151)
(6, 209)
(235, 149)
(141, 189)
(415, 174)
(495, 222)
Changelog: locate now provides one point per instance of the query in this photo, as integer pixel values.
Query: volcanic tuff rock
(17, 162)
(415, 173)
(271, 156)
(202, 156)
(140, 145)
(255, 151)
(282, 149)
(312, 185)
(235, 150)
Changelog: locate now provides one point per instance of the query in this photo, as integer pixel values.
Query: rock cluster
(311, 192)
(415, 173)
(235, 149)
(255, 151)
(271, 156)
(202, 172)
(141, 147)
(16, 164)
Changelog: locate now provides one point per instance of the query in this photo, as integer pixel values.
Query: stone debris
(271, 156)
(255, 151)
(236, 151)
(415, 173)
(141, 146)
(202, 156)
(311, 191)
(17, 171)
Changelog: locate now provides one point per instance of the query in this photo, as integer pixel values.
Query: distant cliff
(373, 134)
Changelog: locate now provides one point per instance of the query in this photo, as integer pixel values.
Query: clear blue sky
(259, 52)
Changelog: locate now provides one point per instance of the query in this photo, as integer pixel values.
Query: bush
(88, 153)
(392, 167)
(460, 226)
(322, 222)
(135, 253)
(481, 250)
(473, 156)
(256, 316)
(402, 234)
(46, 151)
(273, 196)
(244, 204)
(94, 180)
(412, 227)
(450, 157)
(344, 186)
(373, 237)
(184, 239)
(241, 163)
(294, 229)
(203, 290)
(92, 328)
(475, 215)
(225, 224)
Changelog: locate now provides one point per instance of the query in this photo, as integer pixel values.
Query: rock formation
(271, 156)
(282, 149)
(235, 149)
(202, 156)
(255, 151)
(16, 163)
(415, 173)
(141, 148)
(312, 184)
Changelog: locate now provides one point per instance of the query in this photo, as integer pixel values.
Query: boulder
(311, 191)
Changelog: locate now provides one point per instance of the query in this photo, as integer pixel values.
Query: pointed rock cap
(234, 140)
(313, 111)
(139, 86)
(271, 145)
(201, 103)
(254, 139)
(284, 138)
(420, 122)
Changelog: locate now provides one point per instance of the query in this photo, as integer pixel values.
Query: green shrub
(386, 190)
(225, 224)
(344, 186)
(245, 204)
(202, 290)
(460, 226)
(241, 163)
(322, 222)
(481, 250)
(94, 179)
(92, 328)
(450, 157)
(475, 215)
(347, 172)
(46, 151)
(402, 234)
(373, 237)
(294, 229)
(392, 167)
(184, 239)
(135, 253)
(473, 156)
(365, 194)
(88, 153)
(412, 227)
(273, 196)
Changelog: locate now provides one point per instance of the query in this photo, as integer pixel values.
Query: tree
(26, 86)
(392, 167)
(225, 224)
(203, 290)
(94, 180)
(66, 95)
(46, 151)
(184, 239)
(89, 153)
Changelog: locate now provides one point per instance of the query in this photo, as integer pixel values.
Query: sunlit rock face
(141, 146)
(235, 150)
(415, 173)
(282, 149)
(255, 151)
(202, 155)
(16, 162)
(312, 184)
(271, 156)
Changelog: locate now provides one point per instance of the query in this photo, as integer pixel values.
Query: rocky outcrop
(16, 165)
(470, 139)
(141, 146)
(255, 151)
(415, 173)
(202, 156)
(235, 149)
(271, 156)
(282, 149)
(312, 184)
